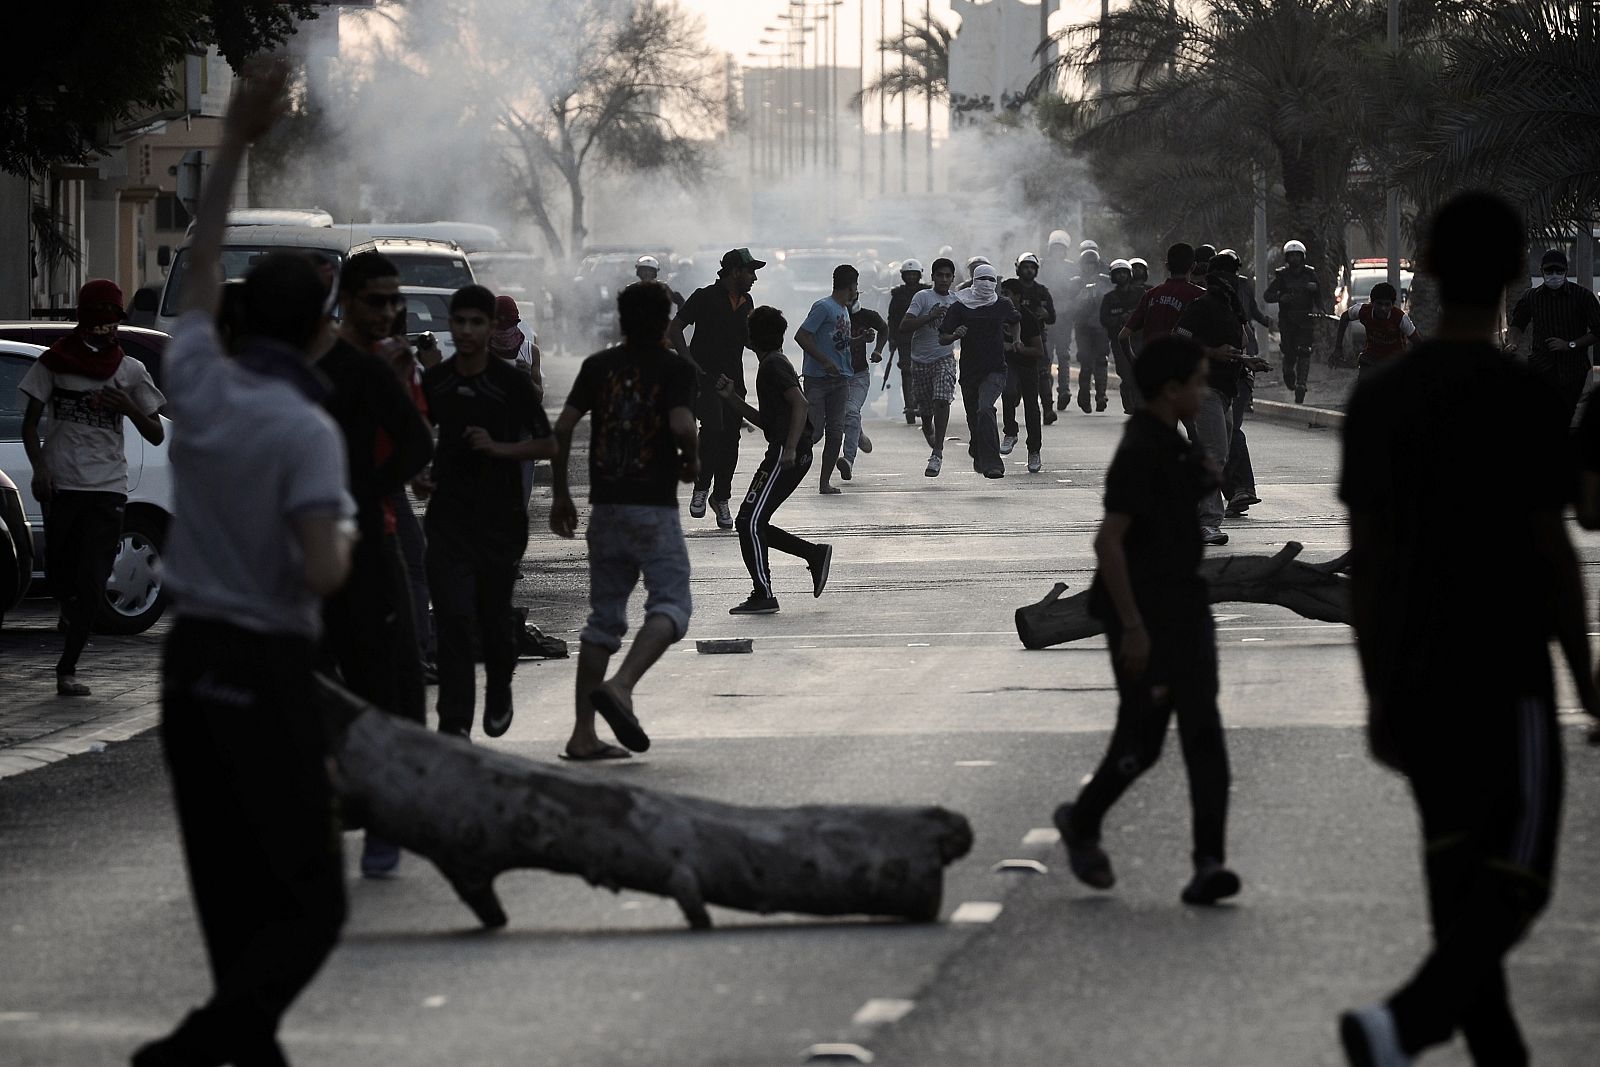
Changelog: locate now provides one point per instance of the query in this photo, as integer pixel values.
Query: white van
(242, 246)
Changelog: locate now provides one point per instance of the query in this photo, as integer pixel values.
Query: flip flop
(604, 752)
(618, 714)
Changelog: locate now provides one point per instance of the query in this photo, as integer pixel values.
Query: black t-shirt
(385, 439)
(1157, 478)
(1213, 321)
(1459, 613)
(983, 350)
(1031, 332)
(774, 378)
(629, 393)
(864, 319)
(470, 485)
(721, 331)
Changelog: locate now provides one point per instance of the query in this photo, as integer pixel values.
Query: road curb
(1267, 410)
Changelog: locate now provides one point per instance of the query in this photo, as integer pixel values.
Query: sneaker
(1035, 463)
(1213, 535)
(497, 710)
(67, 685)
(1089, 862)
(379, 858)
(865, 444)
(911, 418)
(1100, 405)
(1007, 443)
(1050, 417)
(1300, 395)
(724, 516)
(534, 643)
(844, 468)
(1231, 512)
(1243, 500)
(1083, 403)
(758, 605)
(819, 571)
(1061, 402)
(1371, 1038)
(697, 504)
(995, 472)
(1211, 882)
(935, 461)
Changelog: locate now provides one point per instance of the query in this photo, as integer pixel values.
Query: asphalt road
(904, 683)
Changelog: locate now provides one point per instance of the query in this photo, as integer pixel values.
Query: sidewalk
(36, 726)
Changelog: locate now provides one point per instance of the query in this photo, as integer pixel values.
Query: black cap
(740, 257)
(1554, 258)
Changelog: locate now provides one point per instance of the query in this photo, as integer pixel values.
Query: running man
(911, 284)
(867, 327)
(826, 337)
(1563, 320)
(1389, 330)
(933, 362)
(1159, 631)
(1458, 673)
(1297, 291)
(986, 324)
(782, 418)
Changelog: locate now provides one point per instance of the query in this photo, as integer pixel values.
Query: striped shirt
(1566, 313)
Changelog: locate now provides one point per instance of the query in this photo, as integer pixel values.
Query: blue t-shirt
(829, 323)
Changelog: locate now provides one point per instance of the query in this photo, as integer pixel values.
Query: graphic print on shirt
(83, 407)
(634, 419)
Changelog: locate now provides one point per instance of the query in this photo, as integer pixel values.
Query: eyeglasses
(383, 301)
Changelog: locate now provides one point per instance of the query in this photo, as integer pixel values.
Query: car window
(433, 272)
(12, 403)
(236, 263)
(427, 311)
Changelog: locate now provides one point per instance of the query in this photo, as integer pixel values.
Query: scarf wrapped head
(506, 341)
(984, 288)
(99, 306)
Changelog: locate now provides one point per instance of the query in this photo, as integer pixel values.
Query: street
(903, 684)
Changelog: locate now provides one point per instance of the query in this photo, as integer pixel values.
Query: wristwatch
(1572, 344)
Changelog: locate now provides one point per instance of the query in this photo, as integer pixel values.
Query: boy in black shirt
(489, 421)
(641, 397)
(1150, 595)
(789, 438)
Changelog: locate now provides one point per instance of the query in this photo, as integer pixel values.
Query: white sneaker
(697, 504)
(1007, 443)
(1371, 1039)
(1034, 463)
(935, 461)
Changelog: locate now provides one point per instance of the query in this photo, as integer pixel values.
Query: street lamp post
(1393, 192)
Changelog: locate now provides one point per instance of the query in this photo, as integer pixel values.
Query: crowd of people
(304, 566)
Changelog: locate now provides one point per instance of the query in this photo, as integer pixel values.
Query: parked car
(1356, 286)
(16, 547)
(135, 598)
(147, 346)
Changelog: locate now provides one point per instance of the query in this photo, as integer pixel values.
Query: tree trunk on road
(1316, 590)
(476, 812)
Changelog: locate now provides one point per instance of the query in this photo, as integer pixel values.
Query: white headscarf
(983, 290)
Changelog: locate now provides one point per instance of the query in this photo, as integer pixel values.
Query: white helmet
(977, 261)
(648, 261)
(1294, 246)
(1120, 264)
(1235, 255)
(1060, 237)
(911, 266)
(1088, 246)
(1028, 257)
(1137, 262)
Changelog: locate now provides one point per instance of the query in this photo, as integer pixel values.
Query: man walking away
(900, 339)
(1149, 593)
(826, 337)
(1297, 291)
(80, 471)
(782, 417)
(1115, 309)
(1563, 320)
(642, 443)
(1089, 335)
(261, 532)
(985, 323)
(1023, 357)
(369, 633)
(933, 361)
(866, 328)
(489, 422)
(719, 313)
(1458, 673)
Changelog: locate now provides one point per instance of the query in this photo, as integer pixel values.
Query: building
(992, 57)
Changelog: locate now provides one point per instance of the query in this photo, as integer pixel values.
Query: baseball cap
(740, 257)
(1554, 258)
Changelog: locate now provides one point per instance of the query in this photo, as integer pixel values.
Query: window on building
(170, 213)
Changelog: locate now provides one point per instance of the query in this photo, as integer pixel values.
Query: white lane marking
(880, 1011)
(977, 911)
(838, 1052)
(1248, 640)
(918, 644)
(18, 1016)
(435, 1001)
(974, 763)
(1041, 835)
(1019, 866)
(1013, 632)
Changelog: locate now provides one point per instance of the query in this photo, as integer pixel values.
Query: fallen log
(1315, 590)
(475, 812)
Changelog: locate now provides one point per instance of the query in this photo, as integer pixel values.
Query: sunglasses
(383, 301)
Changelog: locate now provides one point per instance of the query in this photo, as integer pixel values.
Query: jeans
(627, 541)
(1132, 399)
(368, 636)
(82, 531)
(472, 570)
(771, 486)
(980, 394)
(1214, 425)
(1022, 383)
(719, 439)
(829, 397)
(1094, 352)
(855, 400)
(1238, 476)
(256, 810)
(1181, 678)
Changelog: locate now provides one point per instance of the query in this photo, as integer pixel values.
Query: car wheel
(135, 598)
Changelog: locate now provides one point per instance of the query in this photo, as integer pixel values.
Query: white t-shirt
(83, 439)
(250, 455)
(925, 346)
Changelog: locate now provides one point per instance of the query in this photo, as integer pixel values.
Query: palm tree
(925, 45)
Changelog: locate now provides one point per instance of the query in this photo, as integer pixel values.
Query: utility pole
(883, 100)
(905, 129)
(927, 26)
(1393, 192)
(861, 111)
